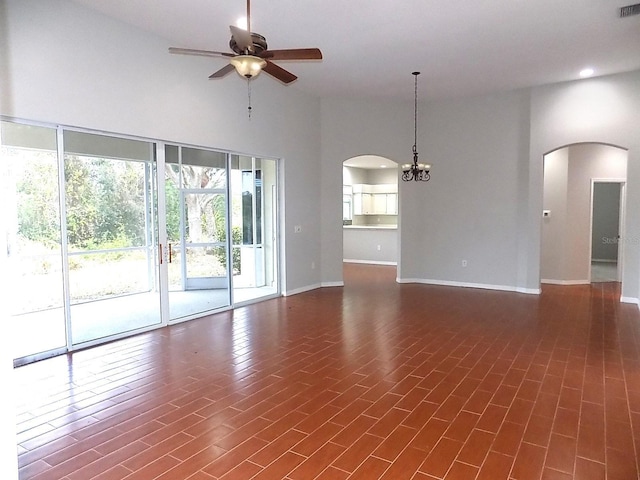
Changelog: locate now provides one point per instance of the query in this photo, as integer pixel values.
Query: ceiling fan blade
(293, 54)
(202, 53)
(242, 37)
(223, 71)
(278, 72)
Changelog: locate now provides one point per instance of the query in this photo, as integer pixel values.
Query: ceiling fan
(251, 55)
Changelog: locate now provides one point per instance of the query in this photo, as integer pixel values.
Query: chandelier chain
(415, 114)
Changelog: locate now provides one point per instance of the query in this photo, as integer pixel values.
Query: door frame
(621, 222)
(265, 261)
(165, 245)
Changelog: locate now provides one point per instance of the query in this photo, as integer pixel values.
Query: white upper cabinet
(379, 199)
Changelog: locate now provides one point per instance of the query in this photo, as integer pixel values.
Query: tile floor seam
(580, 414)
(522, 441)
(591, 459)
(486, 455)
(253, 476)
(289, 450)
(540, 392)
(490, 449)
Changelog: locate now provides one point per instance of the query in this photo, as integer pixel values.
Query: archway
(370, 210)
(572, 239)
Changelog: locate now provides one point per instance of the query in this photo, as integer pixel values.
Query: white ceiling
(462, 47)
(370, 162)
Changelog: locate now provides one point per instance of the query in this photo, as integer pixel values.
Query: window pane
(30, 235)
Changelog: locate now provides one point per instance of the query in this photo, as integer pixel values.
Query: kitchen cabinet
(392, 203)
(375, 199)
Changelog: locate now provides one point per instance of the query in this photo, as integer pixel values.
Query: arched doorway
(370, 210)
(581, 217)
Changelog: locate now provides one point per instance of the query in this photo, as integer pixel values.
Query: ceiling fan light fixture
(250, 54)
(248, 66)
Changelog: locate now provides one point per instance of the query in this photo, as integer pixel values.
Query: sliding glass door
(106, 236)
(254, 227)
(196, 203)
(31, 238)
(111, 225)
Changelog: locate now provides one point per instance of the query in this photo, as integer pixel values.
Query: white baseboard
(448, 283)
(296, 291)
(632, 300)
(529, 291)
(484, 286)
(308, 288)
(370, 262)
(564, 282)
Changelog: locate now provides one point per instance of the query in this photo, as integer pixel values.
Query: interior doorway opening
(571, 175)
(370, 210)
(607, 226)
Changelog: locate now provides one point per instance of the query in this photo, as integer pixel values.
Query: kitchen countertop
(370, 227)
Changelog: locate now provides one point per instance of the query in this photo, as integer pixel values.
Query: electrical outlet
(379, 248)
(464, 263)
(313, 265)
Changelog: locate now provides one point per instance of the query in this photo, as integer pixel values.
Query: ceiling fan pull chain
(249, 97)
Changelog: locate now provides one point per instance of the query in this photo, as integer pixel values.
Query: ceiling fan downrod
(249, 16)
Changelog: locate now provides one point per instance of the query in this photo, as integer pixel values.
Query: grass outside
(38, 278)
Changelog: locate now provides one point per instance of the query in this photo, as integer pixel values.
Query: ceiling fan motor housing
(259, 44)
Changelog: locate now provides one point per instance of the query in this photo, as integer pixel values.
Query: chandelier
(415, 171)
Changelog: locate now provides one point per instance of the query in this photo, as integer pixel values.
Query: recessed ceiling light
(586, 72)
(383, 166)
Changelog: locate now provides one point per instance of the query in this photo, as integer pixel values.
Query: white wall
(566, 241)
(63, 64)
(351, 128)
(377, 176)
(353, 176)
(361, 245)
(554, 235)
(467, 211)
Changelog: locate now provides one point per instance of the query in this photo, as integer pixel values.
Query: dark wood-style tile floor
(373, 380)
